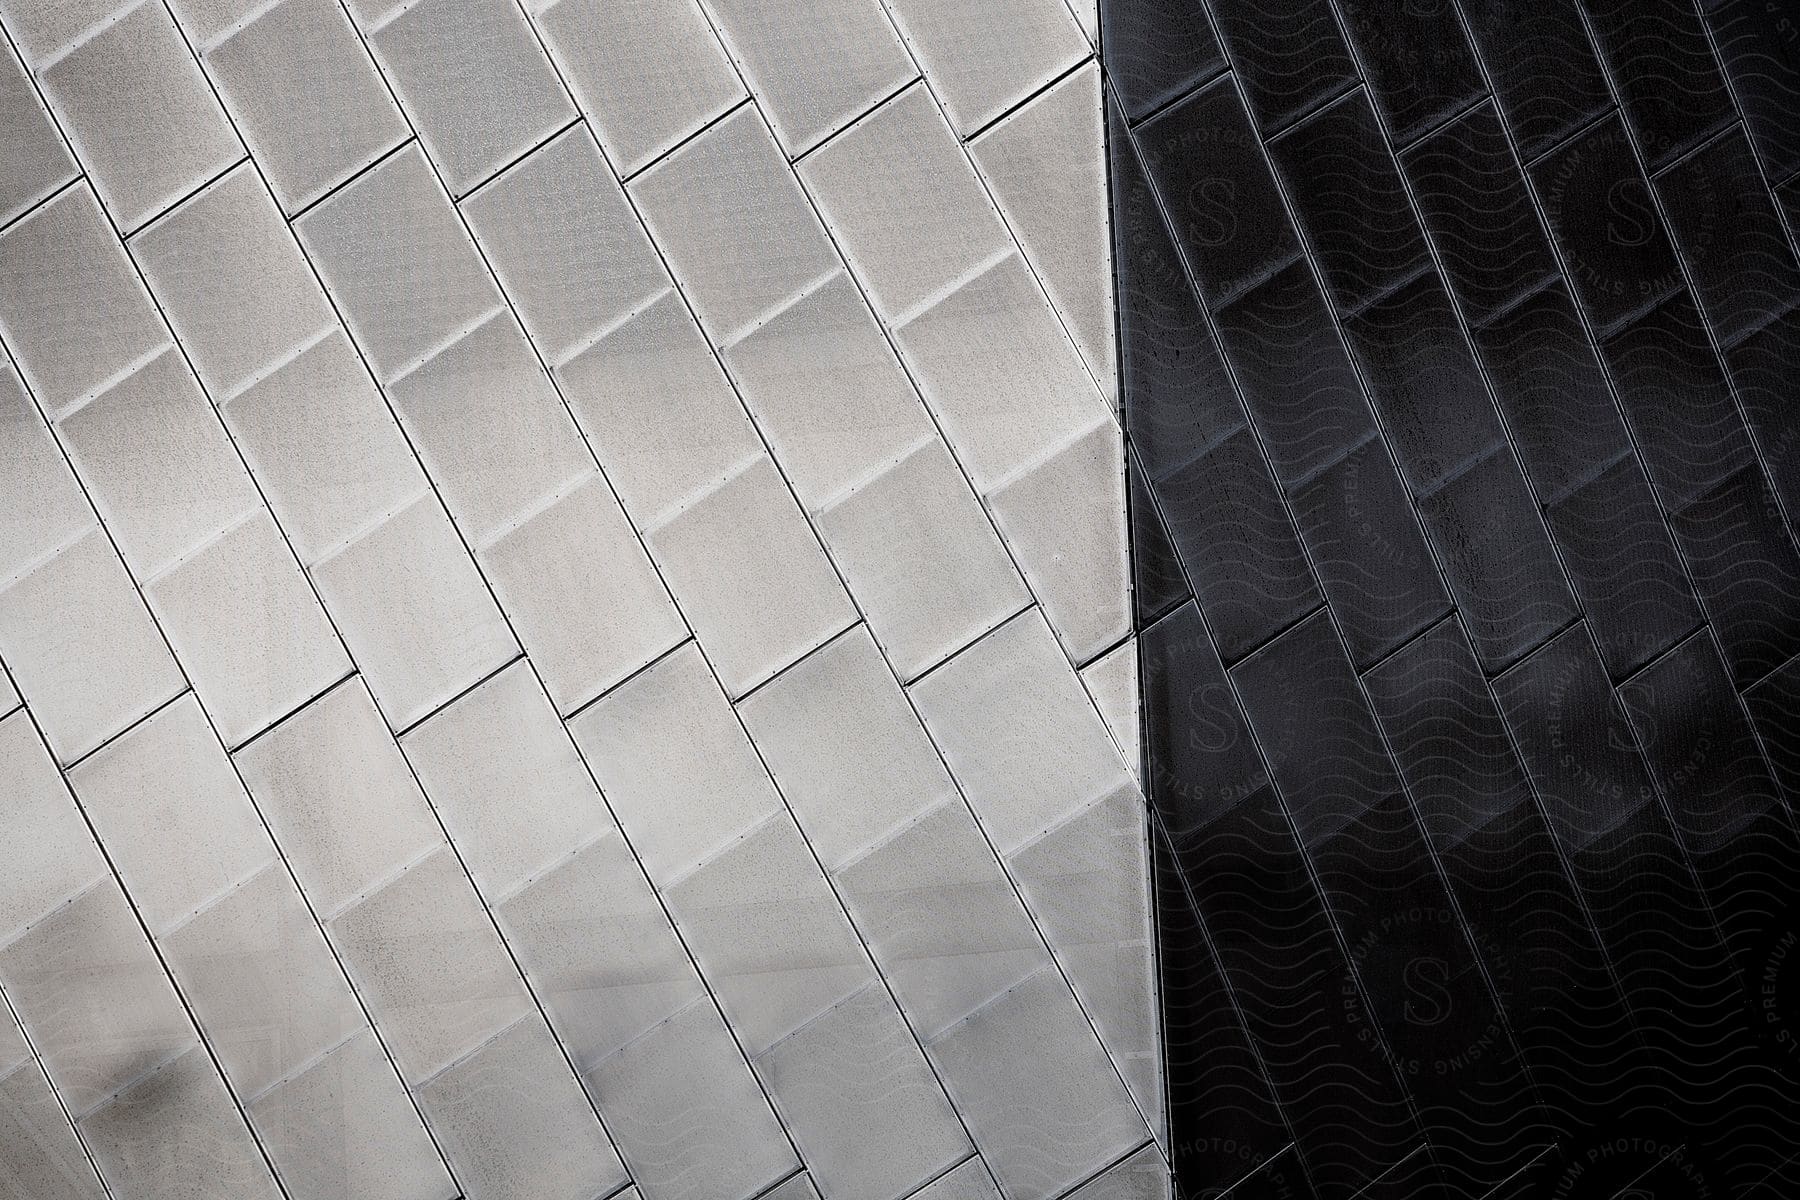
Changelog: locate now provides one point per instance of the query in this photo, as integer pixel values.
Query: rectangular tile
(1418, 62)
(1545, 75)
(955, 44)
(1665, 71)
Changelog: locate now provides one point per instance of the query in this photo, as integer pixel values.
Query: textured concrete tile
(58, 856)
(39, 1154)
(982, 59)
(35, 162)
(38, 491)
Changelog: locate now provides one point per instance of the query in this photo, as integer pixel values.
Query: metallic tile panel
(563, 619)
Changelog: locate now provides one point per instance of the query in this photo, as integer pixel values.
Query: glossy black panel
(1156, 50)
(1158, 584)
(1416, 59)
(1281, 1178)
(1765, 369)
(1543, 67)
(1775, 711)
(1664, 70)
(1759, 43)
(1746, 572)
(1288, 54)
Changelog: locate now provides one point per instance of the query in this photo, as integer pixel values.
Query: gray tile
(814, 64)
(42, 27)
(739, 233)
(516, 1125)
(42, 501)
(247, 628)
(750, 576)
(970, 1181)
(82, 648)
(475, 81)
(74, 312)
(141, 117)
(425, 958)
(567, 247)
(687, 1114)
(838, 726)
(40, 1158)
(1143, 1176)
(675, 765)
(768, 933)
(338, 797)
(231, 281)
(1112, 680)
(414, 612)
(56, 855)
(34, 161)
(345, 1130)
(922, 560)
(171, 813)
(582, 593)
(646, 74)
(864, 1108)
(302, 90)
(984, 58)
(506, 781)
(399, 262)
(206, 21)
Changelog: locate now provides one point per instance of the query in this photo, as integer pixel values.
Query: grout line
(1036, 93)
(650, 165)
(369, 167)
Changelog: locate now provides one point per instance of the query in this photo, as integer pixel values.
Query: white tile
(345, 1130)
(42, 27)
(738, 231)
(1046, 164)
(1112, 680)
(646, 74)
(82, 648)
(922, 560)
(175, 1136)
(768, 933)
(97, 1005)
(516, 1124)
(489, 427)
(231, 281)
(687, 1114)
(658, 411)
(399, 262)
(748, 573)
(970, 1181)
(338, 797)
(846, 749)
(205, 21)
(40, 1157)
(34, 161)
(141, 117)
(996, 366)
(262, 982)
(904, 203)
(42, 501)
(674, 764)
(426, 960)
(984, 58)
(475, 81)
(1019, 731)
(248, 629)
(304, 93)
(414, 612)
(158, 464)
(55, 854)
(1143, 1176)
(1065, 522)
(827, 391)
(563, 240)
(1026, 1063)
(9, 696)
(868, 1115)
(583, 594)
(505, 778)
(172, 814)
(599, 950)
(324, 448)
(74, 311)
(941, 918)
(814, 64)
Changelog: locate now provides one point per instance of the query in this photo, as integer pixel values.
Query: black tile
(1359, 527)
(1675, 394)
(1222, 201)
(1308, 711)
(1746, 572)
(1775, 709)
(1177, 396)
(1424, 382)
(1730, 236)
(1294, 373)
(1350, 202)
(1481, 217)
(1543, 66)
(1417, 60)
(1238, 546)
(1281, 1178)
(1765, 368)
(1289, 55)
(1759, 43)
(1548, 383)
(1157, 582)
(1787, 196)
(1156, 50)
(1498, 560)
(1617, 254)
(1664, 70)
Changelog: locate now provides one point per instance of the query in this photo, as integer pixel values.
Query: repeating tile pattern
(564, 607)
(1458, 377)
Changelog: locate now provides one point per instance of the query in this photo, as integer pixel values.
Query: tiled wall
(563, 603)
(1461, 372)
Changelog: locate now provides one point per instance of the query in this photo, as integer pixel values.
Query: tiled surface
(1467, 589)
(563, 605)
